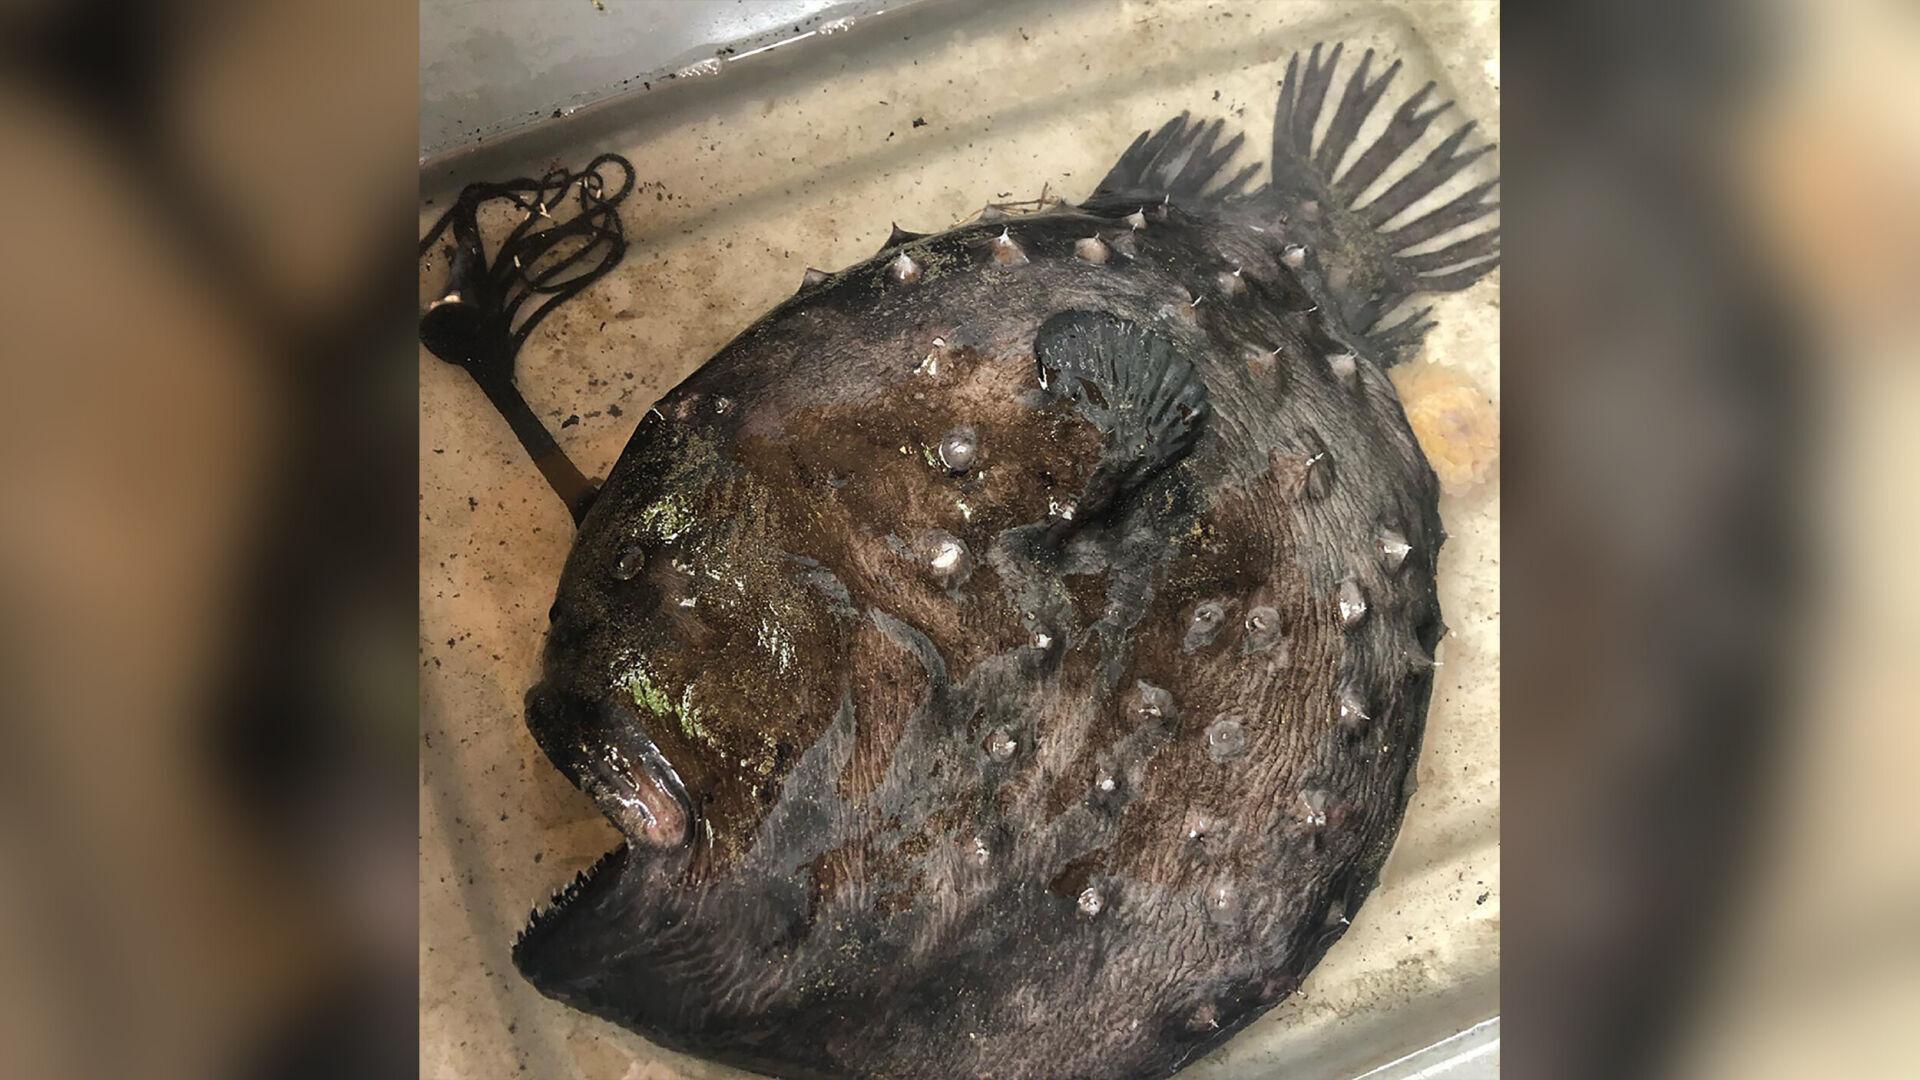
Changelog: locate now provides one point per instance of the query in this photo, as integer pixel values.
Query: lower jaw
(544, 920)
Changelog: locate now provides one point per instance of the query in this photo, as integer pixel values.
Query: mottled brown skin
(1078, 797)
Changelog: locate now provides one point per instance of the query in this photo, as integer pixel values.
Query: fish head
(740, 584)
(690, 657)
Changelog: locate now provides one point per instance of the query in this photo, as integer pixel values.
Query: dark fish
(1008, 656)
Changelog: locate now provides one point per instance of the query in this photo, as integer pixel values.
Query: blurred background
(207, 714)
(1713, 353)
(207, 541)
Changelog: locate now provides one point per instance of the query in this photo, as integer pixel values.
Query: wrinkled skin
(1029, 767)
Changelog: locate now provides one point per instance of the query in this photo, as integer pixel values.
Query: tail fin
(1364, 268)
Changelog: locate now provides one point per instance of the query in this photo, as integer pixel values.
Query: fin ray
(1439, 166)
(1132, 384)
(1462, 209)
(1473, 247)
(1356, 103)
(1183, 159)
(1407, 125)
(1313, 97)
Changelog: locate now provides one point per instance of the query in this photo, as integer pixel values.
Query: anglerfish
(1009, 655)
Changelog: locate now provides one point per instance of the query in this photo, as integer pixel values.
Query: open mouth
(544, 918)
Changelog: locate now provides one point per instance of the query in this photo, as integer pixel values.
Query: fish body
(1008, 657)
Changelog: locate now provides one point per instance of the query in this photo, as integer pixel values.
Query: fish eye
(629, 562)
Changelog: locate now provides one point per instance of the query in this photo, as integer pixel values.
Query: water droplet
(1315, 801)
(1042, 641)
(947, 557)
(1001, 745)
(1151, 702)
(1393, 549)
(1353, 604)
(1104, 782)
(1226, 739)
(632, 560)
(1263, 630)
(1345, 368)
(1091, 901)
(1204, 626)
(959, 448)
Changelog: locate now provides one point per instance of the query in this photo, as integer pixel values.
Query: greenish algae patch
(667, 518)
(690, 715)
(648, 696)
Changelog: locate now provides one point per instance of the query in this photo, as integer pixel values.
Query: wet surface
(747, 180)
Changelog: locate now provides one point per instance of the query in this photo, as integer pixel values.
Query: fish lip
(601, 745)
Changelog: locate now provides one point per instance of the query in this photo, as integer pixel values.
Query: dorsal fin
(1180, 161)
(1133, 385)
